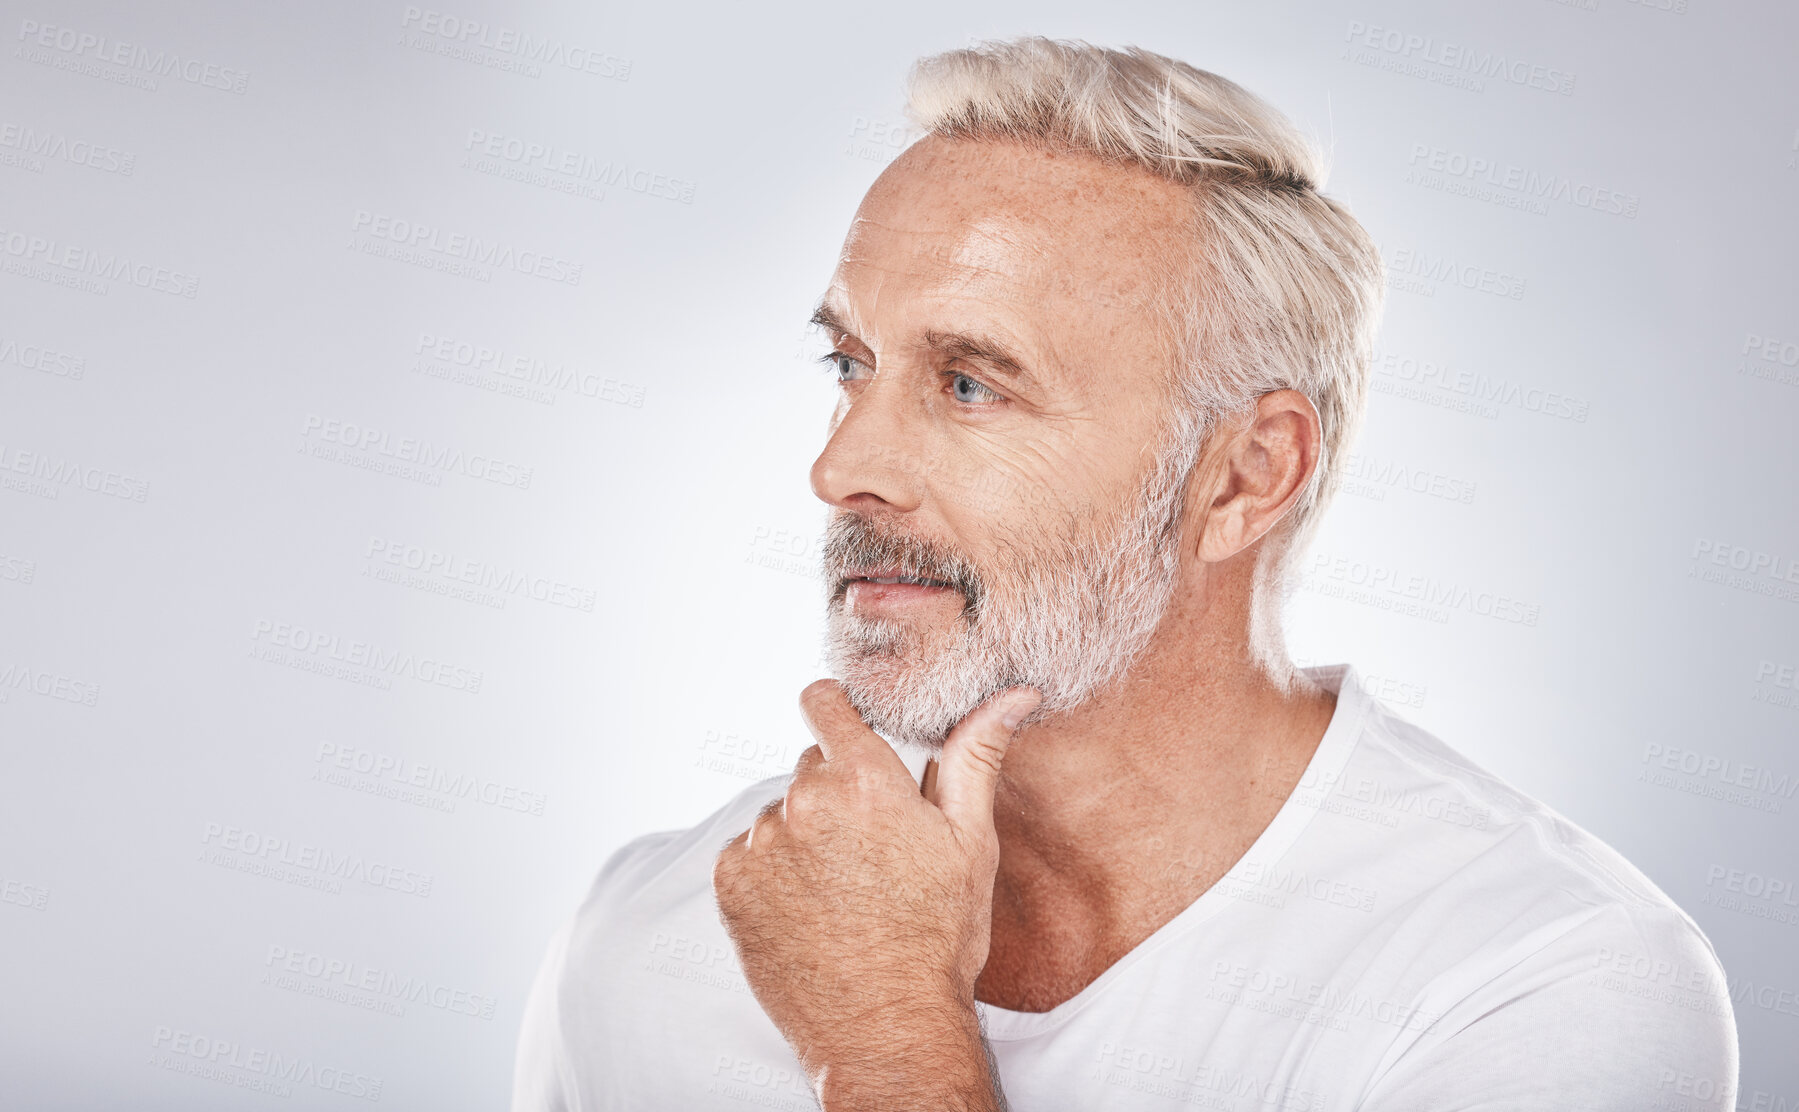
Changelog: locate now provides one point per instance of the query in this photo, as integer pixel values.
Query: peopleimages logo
(1770, 358)
(1730, 773)
(1188, 1080)
(413, 451)
(1412, 593)
(448, 247)
(1769, 676)
(250, 1067)
(1775, 899)
(1445, 269)
(49, 260)
(481, 575)
(1751, 561)
(1378, 475)
(1436, 167)
(353, 983)
(1460, 59)
(32, 144)
(1278, 881)
(20, 894)
(81, 46)
(1771, 350)
(365, 769)
(438, 355)
(1710, 776)
(51, 685)
(1319, 1001)
(1483, 393)
(299, 646)
(552, 159)
(305, 863)
(524, 49)
(54, 474)
(44, 360)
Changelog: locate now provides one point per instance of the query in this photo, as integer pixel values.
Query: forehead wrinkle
(991, 248)
(982, 245)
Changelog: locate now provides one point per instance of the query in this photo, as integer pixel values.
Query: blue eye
(844, 365)
(975, 392)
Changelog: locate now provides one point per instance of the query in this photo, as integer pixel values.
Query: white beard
(1062, 615)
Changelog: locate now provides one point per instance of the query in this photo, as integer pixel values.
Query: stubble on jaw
(907, 682)
(1067, 614)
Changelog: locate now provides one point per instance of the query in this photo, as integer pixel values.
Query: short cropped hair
(1277, 285)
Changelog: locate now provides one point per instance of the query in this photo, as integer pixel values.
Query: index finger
(841, 733)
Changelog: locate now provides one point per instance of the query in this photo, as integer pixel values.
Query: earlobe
(1222, 537)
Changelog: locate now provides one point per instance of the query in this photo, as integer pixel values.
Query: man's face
(1004, 378)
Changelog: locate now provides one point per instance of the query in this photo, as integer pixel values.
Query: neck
(1116, 815)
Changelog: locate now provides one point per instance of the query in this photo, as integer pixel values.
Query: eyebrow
(826, 317)
(978, 348)
(975, 347)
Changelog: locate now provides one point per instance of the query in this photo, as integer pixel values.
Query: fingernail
(1020, 705)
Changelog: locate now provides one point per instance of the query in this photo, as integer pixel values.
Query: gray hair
(1278, 288)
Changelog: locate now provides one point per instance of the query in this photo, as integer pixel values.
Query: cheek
(1014, 487)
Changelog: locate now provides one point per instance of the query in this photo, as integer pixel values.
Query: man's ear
(1261, 462)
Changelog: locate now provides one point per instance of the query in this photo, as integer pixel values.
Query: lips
(890, 576)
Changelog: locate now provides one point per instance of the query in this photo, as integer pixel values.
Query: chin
(891, 699)
(910, 695)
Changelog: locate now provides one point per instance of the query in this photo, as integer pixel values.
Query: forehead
(1035, 238)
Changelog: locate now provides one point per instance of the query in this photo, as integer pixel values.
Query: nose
(871, 460)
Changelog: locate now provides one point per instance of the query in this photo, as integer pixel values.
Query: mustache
(853, 542)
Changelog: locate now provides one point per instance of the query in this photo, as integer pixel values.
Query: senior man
(1101, 342)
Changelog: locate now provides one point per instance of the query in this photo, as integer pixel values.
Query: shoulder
(1478, 826)
(1625, 1009)
(1545, 944)
(650, 903)
(655, 872)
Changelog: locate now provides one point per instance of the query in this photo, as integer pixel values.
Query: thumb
(968, 768)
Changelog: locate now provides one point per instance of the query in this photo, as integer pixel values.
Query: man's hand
(861, 907)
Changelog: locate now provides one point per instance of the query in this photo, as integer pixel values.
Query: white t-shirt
(1408, 933)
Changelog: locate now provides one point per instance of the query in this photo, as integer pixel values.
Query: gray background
(1584, 406)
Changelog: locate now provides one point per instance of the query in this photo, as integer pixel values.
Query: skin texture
(869, 914)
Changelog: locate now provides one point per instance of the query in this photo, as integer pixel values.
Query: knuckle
(810, 761)
(762, 828)
(986, 756)
(803, 805)
(726, 867)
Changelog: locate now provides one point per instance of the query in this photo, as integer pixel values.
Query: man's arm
(942, 1070)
